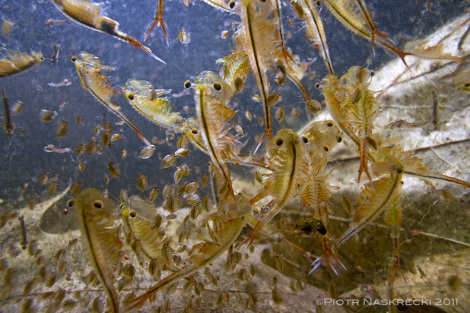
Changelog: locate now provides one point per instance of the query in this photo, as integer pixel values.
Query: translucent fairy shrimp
(258, 38)
(94, 213)
(285, 53)
(211, 96)
(234, 70)
(314, 190)
(52, 148)
(352, 17)
(285, 154)
(321, 133)
(142, 224)
(315, 31)
(89, 69)
(14, 62)
(153, 104)
(89, 14)
(376, 196)
(353, 106)
(412, 165)
(192, 131)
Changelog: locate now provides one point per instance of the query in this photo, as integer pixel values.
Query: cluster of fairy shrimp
(201, 238)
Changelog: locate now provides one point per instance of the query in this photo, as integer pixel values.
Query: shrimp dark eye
(326, 148)
(42, 58)
(400, 170)
(217, 86)
(70, 203)
(329, 124)
(340, 139)
(279, 142)
(132, 214)
(194, 131)
(130, 96)
(307, 229)
(317, 85)
(231, 4)
(98, 204)
(73, 58)
(187, 84)
(318, 3)
(320, 228)
(305, 139)
(466, 85)
(372, 73)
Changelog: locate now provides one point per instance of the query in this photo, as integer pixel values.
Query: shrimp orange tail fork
(158, 21)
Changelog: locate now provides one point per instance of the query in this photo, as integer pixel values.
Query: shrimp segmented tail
(370, 23)
(89, 14)
(158, 21)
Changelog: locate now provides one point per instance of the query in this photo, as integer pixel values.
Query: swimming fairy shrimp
(89, 14)
(94, 213)
(285, 154)
(315, 31)
(211, 96)
(353, 106)
(258, 38)
(348, 14)
(14, 62)
(376, 196)
(89, 69)
(153, 104)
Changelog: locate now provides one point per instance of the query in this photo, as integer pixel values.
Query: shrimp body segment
(89, 14)
(94, 213)
(14, 62)
(285, 154)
